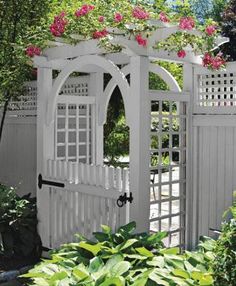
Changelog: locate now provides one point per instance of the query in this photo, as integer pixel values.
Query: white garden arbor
(76, 192)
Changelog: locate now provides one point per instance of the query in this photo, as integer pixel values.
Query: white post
(45, 150)
(191, 199)
(140, 142)
(96, 89)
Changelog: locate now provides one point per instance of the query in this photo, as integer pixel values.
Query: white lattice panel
(215, 92)
(168, 169)
(74, 132)
(76, 86)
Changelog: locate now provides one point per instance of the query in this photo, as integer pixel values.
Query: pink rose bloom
(186, 23)
(181, 54)
(84, 10)
(217, 62)
(101, 19)
(164, 18)
(207, 60)
(118, 17)
(100, 34)
(57, 28)
(32, 51)
(141, 41)
(140, 13)
(210, 30)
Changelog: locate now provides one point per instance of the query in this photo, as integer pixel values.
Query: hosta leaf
(156, 237)
(120, 268)
(143, 251)
(113, 261)
(58, 276)
(79, 274)
(106, 229)
(154, 277)
(40, 282)
(94, 249)
(206, 280)
(114, 281)
(95, 264)
(128, 228)
(101, 236)
(181, 273)
(157, 261)
(127, 244)
(173, 250)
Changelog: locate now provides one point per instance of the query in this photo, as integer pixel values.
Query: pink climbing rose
(213, 62)
(84, 10)
(32, 51)
(186, 23)
(57, 28)
(210, 30)
(140, 40)
(181, 54)
(118, 17)
(100, 34)
(140, 13)
(101, 19)
(163, 17)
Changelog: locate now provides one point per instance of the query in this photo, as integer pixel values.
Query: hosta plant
(124, 258)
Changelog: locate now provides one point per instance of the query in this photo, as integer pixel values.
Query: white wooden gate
(169, 135)
(74, 194)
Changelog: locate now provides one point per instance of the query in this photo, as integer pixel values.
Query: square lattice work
(168, 170)
(216, 90)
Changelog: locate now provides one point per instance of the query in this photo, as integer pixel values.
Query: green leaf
(143, 251)
(157, 261)
(120, 268)
(154, 277)
(128, 228)
(106, 229)
(95, 264)
(114, 281)
(58, 276)
(79, 274)
(174, 250)
(94, 249)
(127, 244)
(115, 259)
(181, 273)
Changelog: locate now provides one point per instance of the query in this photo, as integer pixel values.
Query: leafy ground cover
(124, 258)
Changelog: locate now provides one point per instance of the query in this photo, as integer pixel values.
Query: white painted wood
(140, 142)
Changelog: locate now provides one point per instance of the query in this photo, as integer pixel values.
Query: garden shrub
(18, 224)
(224, 265)
(124, 258)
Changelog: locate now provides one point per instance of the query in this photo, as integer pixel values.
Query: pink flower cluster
(164, 18)
(140, 40)
(213, 62)
(186, 23)
(84, 10)
(118, 17)
(100, 34)
(140, 13)
(58, 26)
(181, 54)
(32, 51)
(210, 30)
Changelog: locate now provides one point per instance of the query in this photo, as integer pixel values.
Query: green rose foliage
(124, 258)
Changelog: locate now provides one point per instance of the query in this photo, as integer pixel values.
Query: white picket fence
(88, 200)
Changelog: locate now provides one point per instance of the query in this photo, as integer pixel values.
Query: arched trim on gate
(154, 68)
(117, 76)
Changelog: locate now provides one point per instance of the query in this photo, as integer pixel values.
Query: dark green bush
(224, 265)
(18, 224)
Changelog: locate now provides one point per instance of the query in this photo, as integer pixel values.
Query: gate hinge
(42, 182)
(123, 199)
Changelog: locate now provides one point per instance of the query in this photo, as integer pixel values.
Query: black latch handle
(42, 182)
(123, 199)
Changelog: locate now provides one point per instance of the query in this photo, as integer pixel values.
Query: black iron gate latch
(42, 182)
(123, 199)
